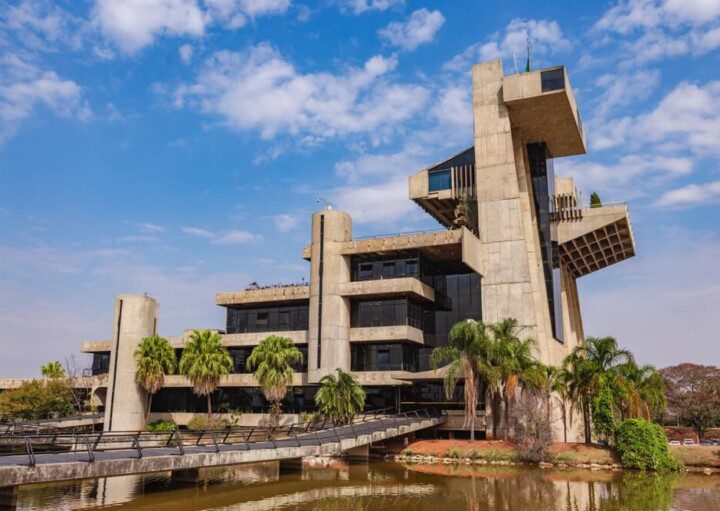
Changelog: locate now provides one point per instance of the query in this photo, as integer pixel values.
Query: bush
(454, 453)
(37, 399)
(643, 445)
(203, 422)
(162, 425)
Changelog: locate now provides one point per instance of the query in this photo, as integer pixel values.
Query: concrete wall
(329, 310)
(135, 318)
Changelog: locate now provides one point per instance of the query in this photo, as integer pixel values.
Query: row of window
(384, 357)
(267, 319)
(302, 399)
(394, 312)
(100, 363)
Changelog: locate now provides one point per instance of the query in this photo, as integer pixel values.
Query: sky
(177, 147)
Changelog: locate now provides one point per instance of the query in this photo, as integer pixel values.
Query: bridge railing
(178, 441)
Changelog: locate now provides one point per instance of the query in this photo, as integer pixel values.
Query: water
(378, 486)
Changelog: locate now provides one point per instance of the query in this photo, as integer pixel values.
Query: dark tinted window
(267, 319)
(439, 180)
(101, 363)
(554, 79)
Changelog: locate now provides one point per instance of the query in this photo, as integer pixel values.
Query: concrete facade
(529, 242)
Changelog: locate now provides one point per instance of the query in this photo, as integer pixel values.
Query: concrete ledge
(387, 333)
(273, 294)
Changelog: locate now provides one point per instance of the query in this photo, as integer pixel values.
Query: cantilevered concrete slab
(259, 296)
(407, 286)
(542, 105)
(602, 237)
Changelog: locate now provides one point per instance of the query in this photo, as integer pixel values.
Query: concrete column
(359, 453)
(329, 342)
(8, 497)
(135, 318)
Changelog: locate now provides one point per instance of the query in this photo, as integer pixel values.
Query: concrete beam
(361, 452)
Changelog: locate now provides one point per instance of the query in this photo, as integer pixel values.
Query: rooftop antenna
(325, 202)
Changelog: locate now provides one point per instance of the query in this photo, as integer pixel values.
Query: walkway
(91, 455)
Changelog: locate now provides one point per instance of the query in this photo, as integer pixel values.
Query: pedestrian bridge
(48, 457)
(45, 425)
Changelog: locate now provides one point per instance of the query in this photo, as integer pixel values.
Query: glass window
(553, 79)
(281, 318)
(388, 269)
(439, 180)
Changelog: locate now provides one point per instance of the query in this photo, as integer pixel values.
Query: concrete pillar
(8, 497)
(329, 342)
(359, 453)
(135, 318)
(188, 475)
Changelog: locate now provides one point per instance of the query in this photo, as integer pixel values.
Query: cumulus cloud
(231, 237)
(186, 53)
(361, 6)
(285, 222)
(691, 195)
(260, 90)
(43, 26)
(25, 87)
(197, 232)
(419, 28)
(546, 37)
(135, 24)
(152, 228)
(631, 15)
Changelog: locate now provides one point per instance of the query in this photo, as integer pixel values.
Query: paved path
(16, 469)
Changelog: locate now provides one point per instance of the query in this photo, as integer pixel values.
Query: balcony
(601, 237)
(439, 188)
(278, 294)
(406, 286)
(542, 105)
(396, 333)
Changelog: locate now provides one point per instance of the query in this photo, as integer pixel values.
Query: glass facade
(432, 395)
(224, 399)
(240, 356)
(392, 312)
(384, 357)
(552, 79)
(439, 180)
(543, 182)
(463, 292)
(100, 363)
(278, 318)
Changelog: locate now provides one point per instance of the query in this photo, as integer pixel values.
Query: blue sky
(177, 148)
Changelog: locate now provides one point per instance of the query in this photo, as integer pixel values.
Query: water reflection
(385, 486)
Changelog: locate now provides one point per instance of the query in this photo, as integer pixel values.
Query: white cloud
(691, 195)
(24, 87)
(42, 25)
(197, 232)
(259, 90)
(419, 28)
(361, 6)
(384, 203)
(237, 237)
(152, 228)
(546, 38)
(621, 90)
(135, 24)
(186, 53)
(631, 15)
(285, 222)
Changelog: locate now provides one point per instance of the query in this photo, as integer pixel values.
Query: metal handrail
(137, 441)
(391, 235)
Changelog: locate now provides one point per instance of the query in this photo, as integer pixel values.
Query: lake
(379, 485)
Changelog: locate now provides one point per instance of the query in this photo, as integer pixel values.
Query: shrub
(162, 425)
(203, 422)
(454, 453)
(643, 445)
(37, 399)
(602, 411)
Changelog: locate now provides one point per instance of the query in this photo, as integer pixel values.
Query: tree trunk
(564, 414)
(495, 406)
(147, 411)
(586, 421)
(506, 413)
(209, 406)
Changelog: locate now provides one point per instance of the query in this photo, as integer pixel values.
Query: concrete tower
(329, 321)
(135, 318)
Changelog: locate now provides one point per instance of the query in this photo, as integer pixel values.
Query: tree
(36, 399)
(468, 355)
(204, 361)
(595, 201)
(464, 213)
(272, 360)
(52, 370)
(154, 358)
(649, 386)
(598, 357)
(340, 397)
(549, 381)
(515, 361)
(693, 393)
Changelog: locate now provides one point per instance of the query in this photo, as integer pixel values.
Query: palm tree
(52, 370)
(598, 359)
(515, 361)
(549, 380)
(340, 397)
(468, 354)
(154, 358)
(648, 398)
(204, 361)
(272, 360)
